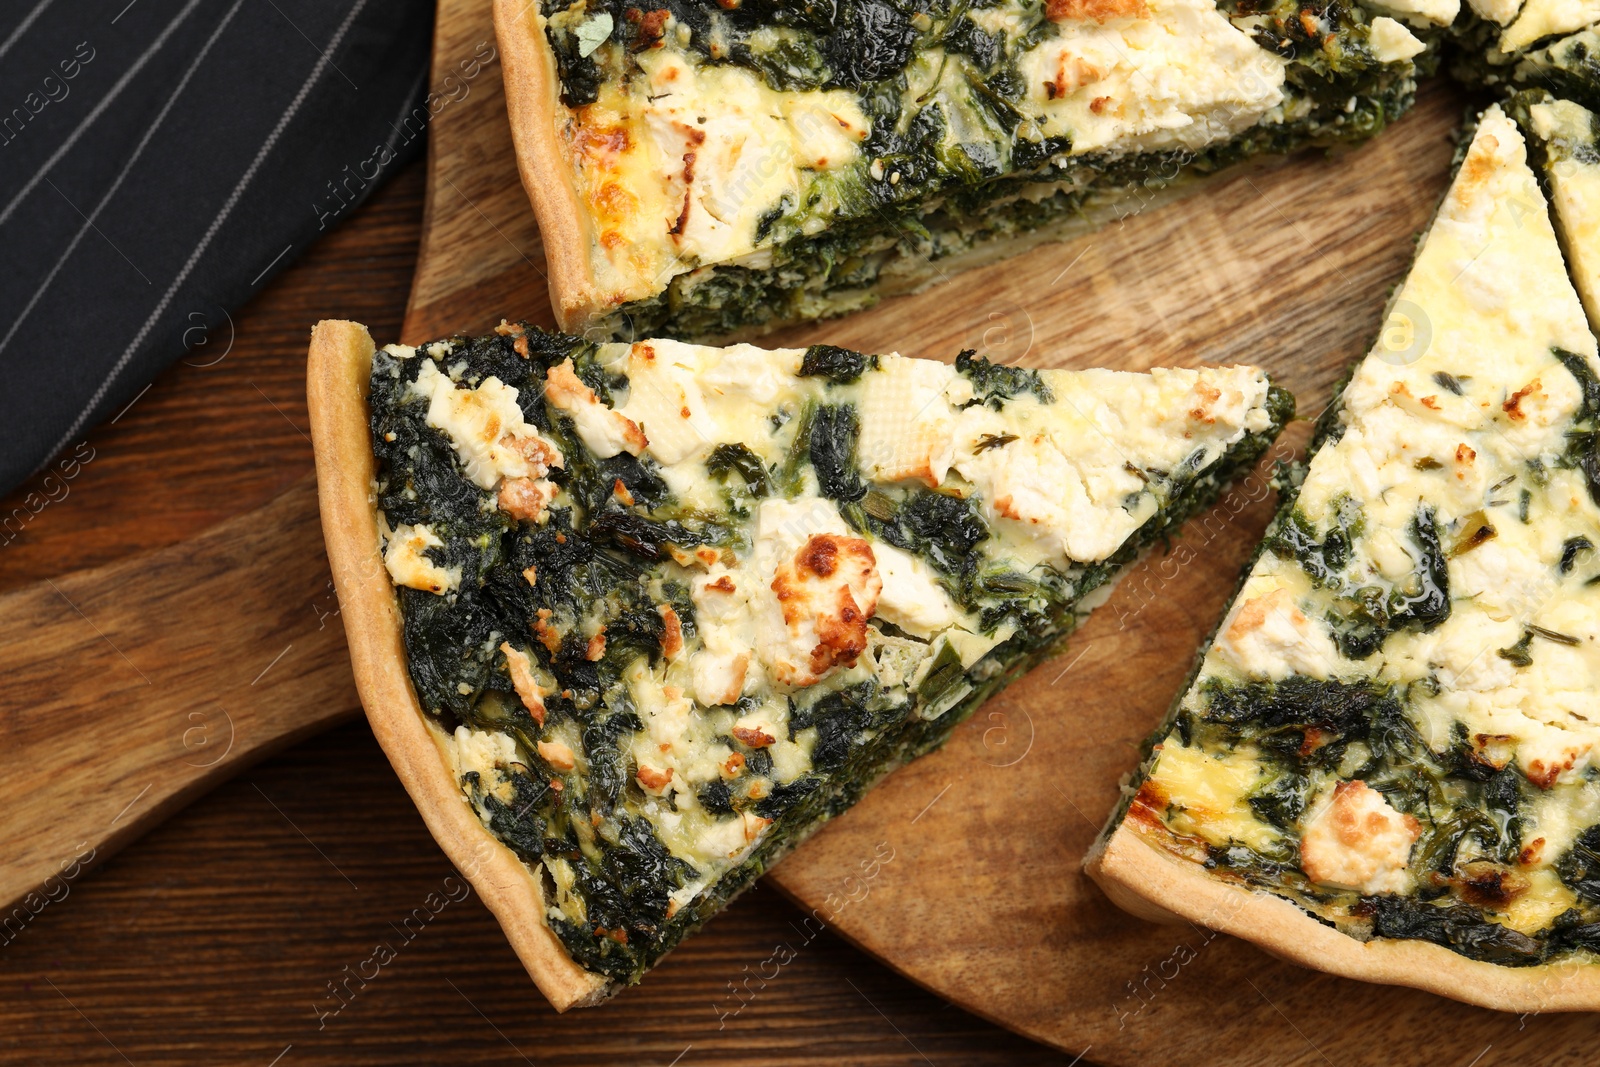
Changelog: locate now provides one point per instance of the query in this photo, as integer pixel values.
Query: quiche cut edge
(337, 375)
(584, 305)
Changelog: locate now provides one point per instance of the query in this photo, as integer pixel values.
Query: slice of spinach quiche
(664, 609)
(701, 167)
(1386, 764)
(1490, 55)
(1569, 66)
(1565, 137)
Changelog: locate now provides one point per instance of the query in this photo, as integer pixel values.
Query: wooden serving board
(962, 870)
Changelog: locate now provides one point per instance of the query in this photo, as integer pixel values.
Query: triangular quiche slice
(1568, 66)
(1387, 765)
(632, 620)
(1565, 137)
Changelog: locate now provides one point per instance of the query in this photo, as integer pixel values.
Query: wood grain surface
(207, 670)
(1287, 266)
(301, 913)
(213, 939)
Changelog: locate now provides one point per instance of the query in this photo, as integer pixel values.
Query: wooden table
(219, 938)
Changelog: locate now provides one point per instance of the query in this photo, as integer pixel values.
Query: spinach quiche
(1565, 139)
(1386, 763)
(1551, 45)
(1514, 40)
(633, 620)
(701, 168)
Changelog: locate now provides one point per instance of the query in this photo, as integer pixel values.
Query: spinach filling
(1363, 617)
(1470, 811)
(600, 564)
(946, 169)
(1472, 807)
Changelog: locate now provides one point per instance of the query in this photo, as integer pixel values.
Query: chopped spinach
(1363, 618)
(994, 383)
(1579, 867)
(1569, 552)
(841, 366)
(1323, 561)
(1519, 654)
(1283, 800)
(1460, 927)
(1583, 443)
(834, 431)
(738, 459)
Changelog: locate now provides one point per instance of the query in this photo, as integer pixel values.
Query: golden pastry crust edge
(1148, 881)
(337, 377)
(532, 101)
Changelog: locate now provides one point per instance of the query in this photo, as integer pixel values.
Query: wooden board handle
(132, 688)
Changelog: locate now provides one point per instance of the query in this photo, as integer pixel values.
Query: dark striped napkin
(160, 160)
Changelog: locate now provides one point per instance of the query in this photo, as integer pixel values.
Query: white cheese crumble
(1422, 12)
(1182, 76)
(1391, 42)
(664, 399)
(1499, 12)
(1268, 636)
(602, 430)
(1545, 18)
(408, 566)
(912, 598)
(486, 427)
(1354, 838)
(816, 587)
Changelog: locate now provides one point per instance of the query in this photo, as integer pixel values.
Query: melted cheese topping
(1572, 167)
(680, 169)
(1214, 793)
(1463, 408)
(1545, 18)
(800, 603)
(1166, 74)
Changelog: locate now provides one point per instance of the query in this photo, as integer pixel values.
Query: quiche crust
(532, 101)
(1176, 890)
(337, 377)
